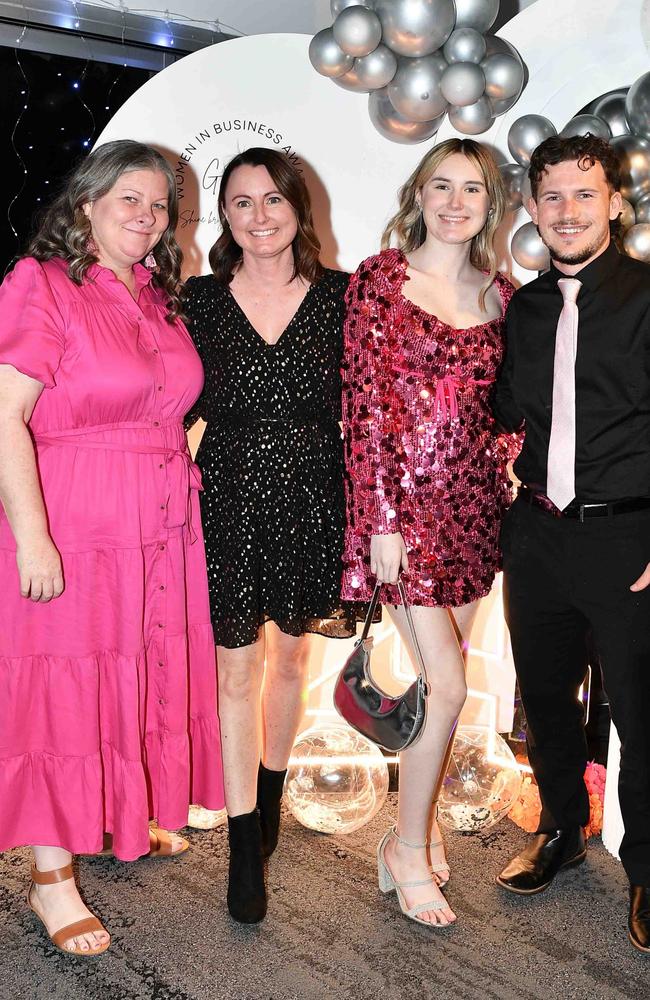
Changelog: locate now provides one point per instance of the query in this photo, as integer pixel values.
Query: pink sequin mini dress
(423, 454)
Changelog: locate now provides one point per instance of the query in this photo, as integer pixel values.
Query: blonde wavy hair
(407, 228)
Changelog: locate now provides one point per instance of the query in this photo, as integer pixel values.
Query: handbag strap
(372, 607)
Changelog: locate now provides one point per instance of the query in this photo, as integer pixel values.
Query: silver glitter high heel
(387, 883)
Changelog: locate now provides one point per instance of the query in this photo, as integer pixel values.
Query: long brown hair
(408, 227)
(64, 230)
(226, 254)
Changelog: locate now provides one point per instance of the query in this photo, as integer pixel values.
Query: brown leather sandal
(161, 843)
(84, 926)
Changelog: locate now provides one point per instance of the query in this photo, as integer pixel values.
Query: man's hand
(643, 580)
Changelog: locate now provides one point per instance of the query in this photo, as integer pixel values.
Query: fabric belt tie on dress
(446, 391)
(186, 477)
(580, 511)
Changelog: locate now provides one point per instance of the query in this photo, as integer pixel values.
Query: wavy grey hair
(64, 230)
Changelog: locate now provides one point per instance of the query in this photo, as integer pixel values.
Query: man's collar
(593, 274)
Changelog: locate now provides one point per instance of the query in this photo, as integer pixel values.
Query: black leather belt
(581, 511)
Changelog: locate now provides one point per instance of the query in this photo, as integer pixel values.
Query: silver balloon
(326, 56)
(628, 216)
(526, 134)
(472, 119)
(478, 14)
(504, 76)
(637, 106)
(392, 125)
(642, 209)
(513, 177)
(634, 155)
(351, 81)
(499, 46)
(636, 241)
(611, 108)
(462, 84)
(415, 89)
(336, 6)
(377, 68)
(528, 250)
(357, 30)
(416, 27)
(464, 45)
(582, 124)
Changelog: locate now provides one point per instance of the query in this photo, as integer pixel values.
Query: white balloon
(392, 125)
(326, 56)
(357, 30)
(478, 14)
(415, 27)
(377, 68)
(526, 134)
(472, 119)
(583, 124)
(462, 84)
(464, 45)
(415, 89)
(528, 250)
(636, 241)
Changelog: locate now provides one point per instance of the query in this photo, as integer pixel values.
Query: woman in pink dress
(427, 481)
(108, 710)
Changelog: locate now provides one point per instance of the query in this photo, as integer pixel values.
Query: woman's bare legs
(240, 673)
(420, 764)
(284, 694)
(60, 904)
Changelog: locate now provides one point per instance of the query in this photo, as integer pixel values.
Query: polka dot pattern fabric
(273, 504)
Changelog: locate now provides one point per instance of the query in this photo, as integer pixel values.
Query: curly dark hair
(226, 254)
(64, 229)
(586, 150)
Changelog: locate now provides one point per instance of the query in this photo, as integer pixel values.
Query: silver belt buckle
(584, 506)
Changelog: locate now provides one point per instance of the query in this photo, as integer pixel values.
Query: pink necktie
(560, 477)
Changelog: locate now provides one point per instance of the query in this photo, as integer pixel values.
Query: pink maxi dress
(108, 703)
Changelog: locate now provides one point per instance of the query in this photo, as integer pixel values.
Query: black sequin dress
(273, 504)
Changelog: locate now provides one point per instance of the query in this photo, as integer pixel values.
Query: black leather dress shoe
(534, 869)
(639, 920)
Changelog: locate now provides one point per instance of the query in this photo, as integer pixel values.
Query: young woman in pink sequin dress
(426, 471)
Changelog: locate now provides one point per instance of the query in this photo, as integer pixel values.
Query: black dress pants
(563, 577)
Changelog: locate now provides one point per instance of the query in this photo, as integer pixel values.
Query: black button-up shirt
(612, 377)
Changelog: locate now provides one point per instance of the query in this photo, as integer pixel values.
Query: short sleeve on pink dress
(31, 331)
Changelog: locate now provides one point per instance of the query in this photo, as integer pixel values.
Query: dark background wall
(52, 108)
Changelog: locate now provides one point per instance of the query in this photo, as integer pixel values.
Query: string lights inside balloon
(622, 117)
(420, 60)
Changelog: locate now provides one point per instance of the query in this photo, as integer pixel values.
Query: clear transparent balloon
(337, 780)
(482, 783)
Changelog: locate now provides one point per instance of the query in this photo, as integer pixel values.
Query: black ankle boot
(246, 889)
(269, 797)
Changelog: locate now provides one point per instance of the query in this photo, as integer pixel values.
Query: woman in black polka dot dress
(268, 325)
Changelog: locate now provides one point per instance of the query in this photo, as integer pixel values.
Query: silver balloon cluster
(623, 118)
(420, 60)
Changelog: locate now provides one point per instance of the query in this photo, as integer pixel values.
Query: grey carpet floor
(329, 933)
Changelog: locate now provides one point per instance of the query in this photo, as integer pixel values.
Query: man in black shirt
(576, 542)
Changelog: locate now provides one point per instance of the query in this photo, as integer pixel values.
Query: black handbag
(393, 723)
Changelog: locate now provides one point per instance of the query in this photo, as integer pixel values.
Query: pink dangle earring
(150, 261)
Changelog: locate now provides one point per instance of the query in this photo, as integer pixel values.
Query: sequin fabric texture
(423, 455)
(273, 504)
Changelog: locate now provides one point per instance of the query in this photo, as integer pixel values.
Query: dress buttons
(162, 548)
(162, 465)
(162, 506)
(161, 625)
(161, 587)
(160, 388)
(161, 663)
(155, 350)
(156, 423)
